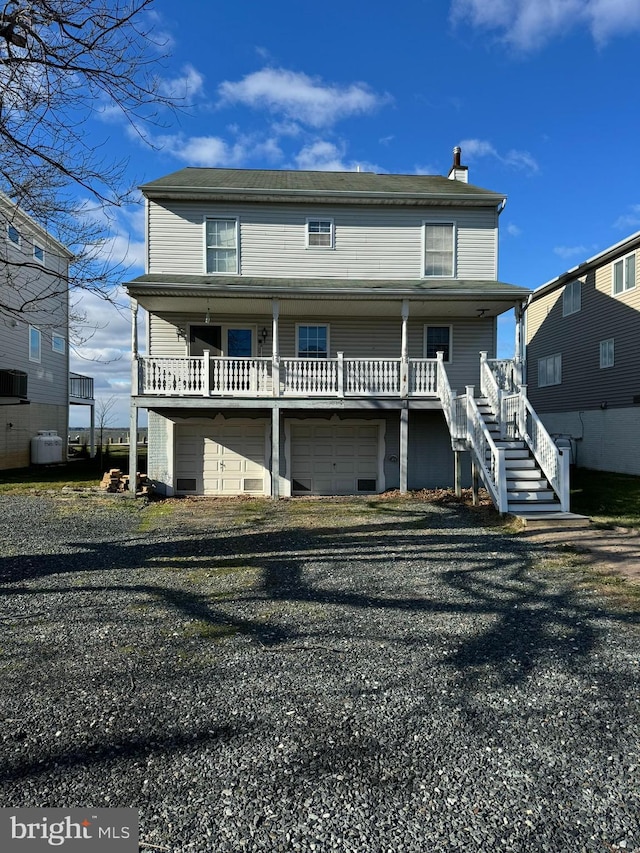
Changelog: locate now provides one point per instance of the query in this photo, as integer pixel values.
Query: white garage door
(221, 459)
(335, 459)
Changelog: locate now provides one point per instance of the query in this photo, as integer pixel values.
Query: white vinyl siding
(571, 298)
(607, 353)
(549, 370)
(221, 238)
(624, 274)
(439, 249)
(372, 243)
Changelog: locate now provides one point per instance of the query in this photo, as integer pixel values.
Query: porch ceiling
(326, 297)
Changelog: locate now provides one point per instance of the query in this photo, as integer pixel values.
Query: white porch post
(404, 352)
(519, 345)
(404, 449)
(275, 452)
(275, 354)
(133, 415)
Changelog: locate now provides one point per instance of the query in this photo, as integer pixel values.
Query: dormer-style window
(320, 233)
(221, 236)
(439, 249)
(571, 298)
(624, 274)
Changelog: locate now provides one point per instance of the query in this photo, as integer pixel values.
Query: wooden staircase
(528, 491)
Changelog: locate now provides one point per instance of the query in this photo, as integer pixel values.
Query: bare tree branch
(62, 63)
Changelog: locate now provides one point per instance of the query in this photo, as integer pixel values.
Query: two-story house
(583, 360)
(36, 388)
(295, 322)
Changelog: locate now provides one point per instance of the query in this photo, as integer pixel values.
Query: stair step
(528, 485)
(534, 506)
(519, 464)
(516, 495)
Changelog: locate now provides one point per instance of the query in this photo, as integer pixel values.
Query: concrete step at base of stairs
(552, 520)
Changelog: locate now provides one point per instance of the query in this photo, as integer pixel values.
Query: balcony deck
(203, 376)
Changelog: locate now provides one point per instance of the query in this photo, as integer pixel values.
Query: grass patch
(75, 474)
(610, 499)
(210, 630)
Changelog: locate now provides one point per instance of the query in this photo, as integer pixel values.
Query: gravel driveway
(348, 674)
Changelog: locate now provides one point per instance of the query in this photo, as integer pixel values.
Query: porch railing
(204, 376)
(80, 387)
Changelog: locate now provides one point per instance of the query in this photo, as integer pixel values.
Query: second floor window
(222, 245)
(13, 234)
(320, 233)
(549, 371)
(58, 343)
(624, 274)
(313, 342)
(38, 253)
(607, 353)
(571, 297)
(439, 249)
(35, 344)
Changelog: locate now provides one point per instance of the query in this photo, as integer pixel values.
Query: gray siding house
(583, 360)
(315, 333)
(36, 388)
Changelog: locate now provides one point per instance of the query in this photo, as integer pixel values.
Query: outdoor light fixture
(207, 318)
(263, 334)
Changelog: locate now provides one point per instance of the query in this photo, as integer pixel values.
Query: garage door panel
(334, 458)
(221, 459)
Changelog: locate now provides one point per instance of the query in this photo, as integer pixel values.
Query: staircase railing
(518, 419)
(454, 411)
(489, 458)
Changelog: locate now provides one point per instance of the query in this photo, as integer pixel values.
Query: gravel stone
(364, 675)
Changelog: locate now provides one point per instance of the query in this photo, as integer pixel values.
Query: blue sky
(542, 96)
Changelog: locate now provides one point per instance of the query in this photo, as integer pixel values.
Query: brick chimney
(458, 172)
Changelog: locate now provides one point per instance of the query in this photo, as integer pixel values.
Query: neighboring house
(582, 332)
(294, 325)
(36, 388)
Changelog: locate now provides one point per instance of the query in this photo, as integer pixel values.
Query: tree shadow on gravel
(405, 561)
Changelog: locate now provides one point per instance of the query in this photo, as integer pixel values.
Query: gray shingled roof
(194, 181)
(165, 283)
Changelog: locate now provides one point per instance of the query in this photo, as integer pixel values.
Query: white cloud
(529, 24)
(629, 221)
(324, 156)
(513, 230)
(201, 150)
(185, 86)
(567, 252)
(523, 160)
(300, 98)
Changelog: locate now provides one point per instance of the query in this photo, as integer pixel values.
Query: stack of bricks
(115, 481)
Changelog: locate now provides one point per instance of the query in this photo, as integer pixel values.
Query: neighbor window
(320, 233)
(438, 249)
(35, 341)
(13, 234)
(624, 274)
(437, 339)
(38, 253)
(57, 343)
(222, 245)
(550, 370)
(571, 298)
(607, 353)
(313, 341)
